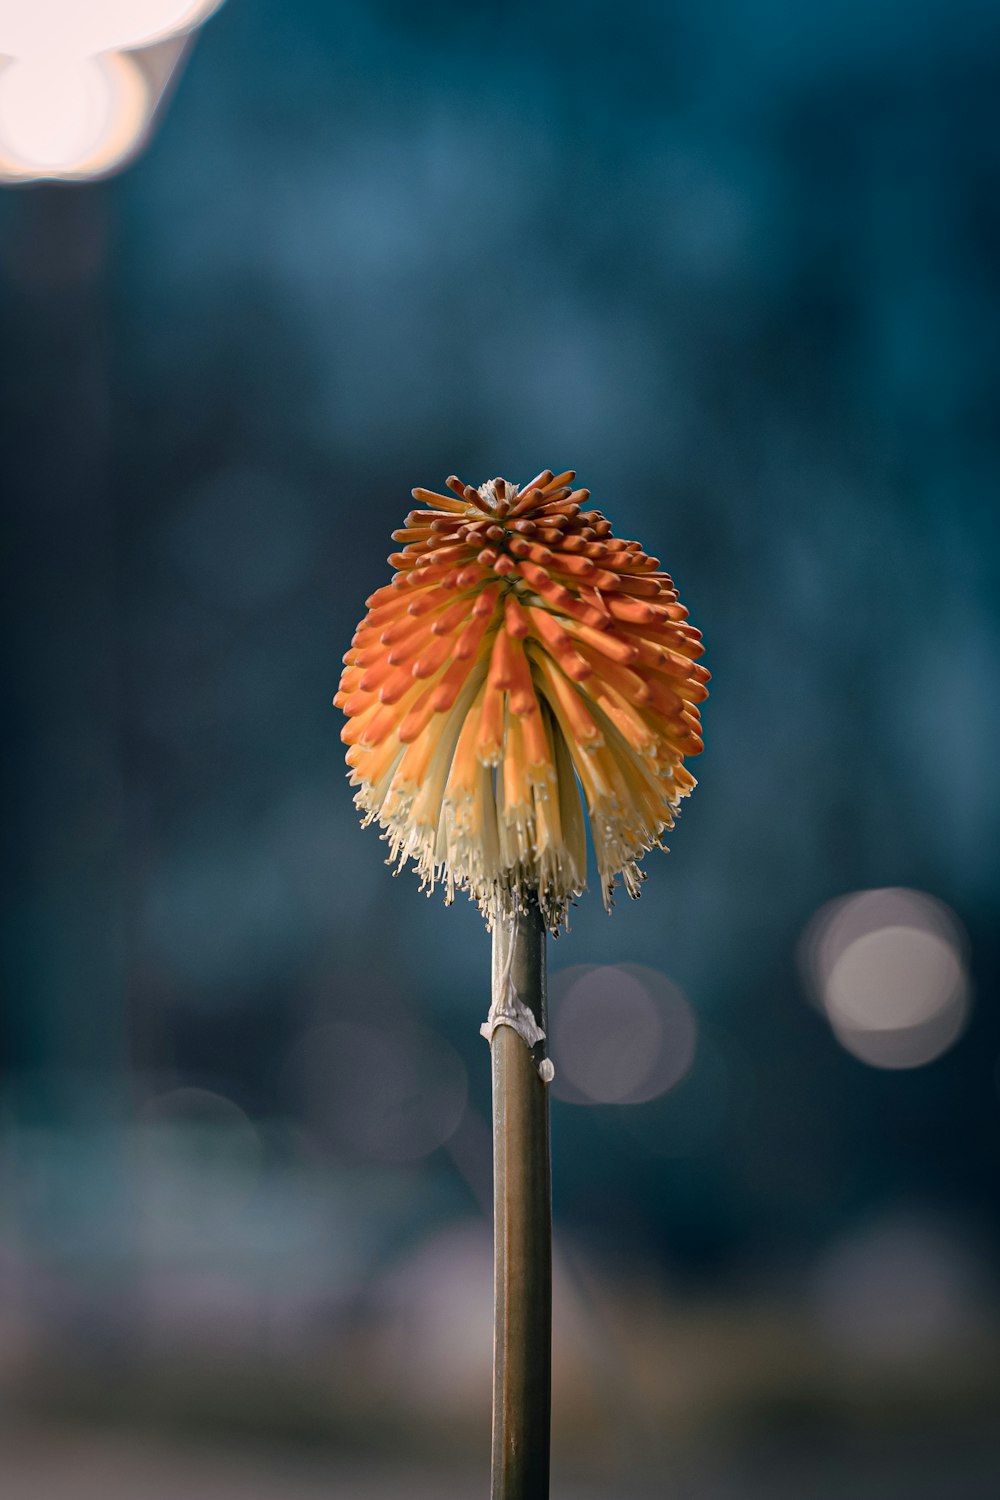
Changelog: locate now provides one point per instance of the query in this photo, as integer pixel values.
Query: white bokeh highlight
(34, 28)
(75, 102)
(621, 1034)
(888, 968)
(64, 113)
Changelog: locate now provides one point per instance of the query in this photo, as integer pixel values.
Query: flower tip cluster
(523, 676)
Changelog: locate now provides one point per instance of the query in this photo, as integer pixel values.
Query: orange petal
(515, 619)
(568, 705)
(433, 658)
(450, 685)
(489, 739)
(614, 647)
(471, 638)
(560, 643)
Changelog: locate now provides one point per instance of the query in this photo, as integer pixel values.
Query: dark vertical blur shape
(62, 951)
(522, 1230)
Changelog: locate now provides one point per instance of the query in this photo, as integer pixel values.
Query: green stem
(522, 1233)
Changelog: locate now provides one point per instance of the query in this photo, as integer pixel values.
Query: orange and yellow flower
(524, 672)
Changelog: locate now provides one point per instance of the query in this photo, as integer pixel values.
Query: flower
(521, 658)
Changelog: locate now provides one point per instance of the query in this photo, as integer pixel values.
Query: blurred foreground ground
(200, 1385)
(69, 1464)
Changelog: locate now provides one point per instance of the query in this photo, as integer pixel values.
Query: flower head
(524, 672)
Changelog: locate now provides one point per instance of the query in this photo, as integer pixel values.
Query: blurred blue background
(738, 266)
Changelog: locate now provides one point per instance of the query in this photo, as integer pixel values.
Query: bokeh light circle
(389, 1094)
(888, 968)
(32, 28)
(621, 1034)
(893, 977)
(68, 115)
